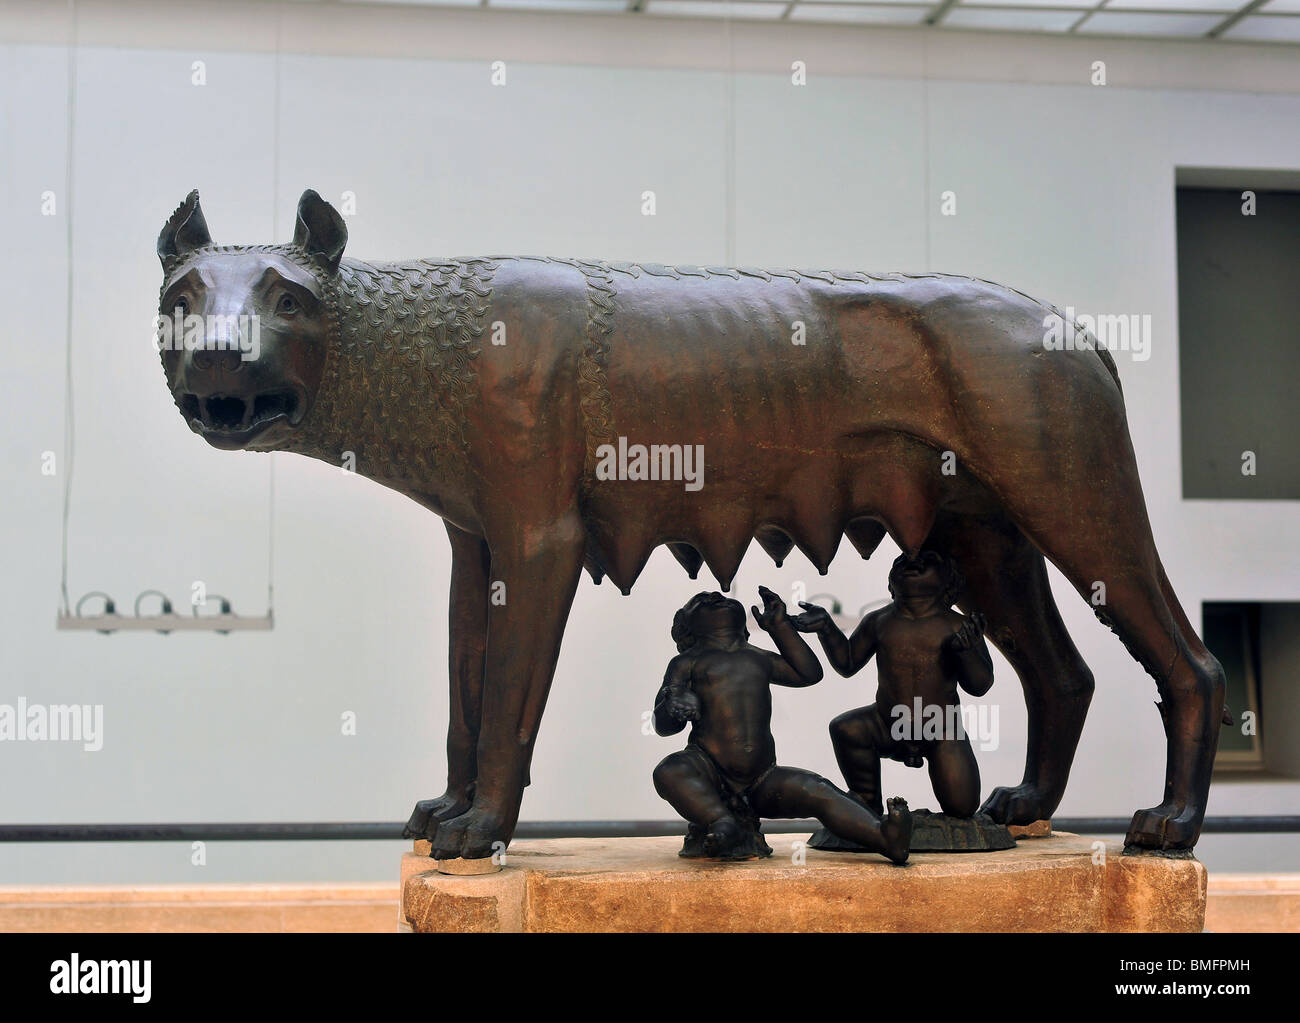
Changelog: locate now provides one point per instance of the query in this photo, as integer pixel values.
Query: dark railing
(378, 830)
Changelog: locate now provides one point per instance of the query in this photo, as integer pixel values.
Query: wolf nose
(216, 358)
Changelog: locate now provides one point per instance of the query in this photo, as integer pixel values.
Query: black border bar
(317, 831)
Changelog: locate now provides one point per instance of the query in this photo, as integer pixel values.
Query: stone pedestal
(1057, 883)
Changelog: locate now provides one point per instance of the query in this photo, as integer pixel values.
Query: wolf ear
(320, 230)
(185, 230)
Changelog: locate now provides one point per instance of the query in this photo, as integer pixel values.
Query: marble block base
(1057, 883)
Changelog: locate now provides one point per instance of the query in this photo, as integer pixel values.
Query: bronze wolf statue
(548, 409)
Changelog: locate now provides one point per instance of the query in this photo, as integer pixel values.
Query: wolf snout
(215, 359)
(220, 412)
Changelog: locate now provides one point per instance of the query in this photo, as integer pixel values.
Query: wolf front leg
(534, 574)
(467, 619)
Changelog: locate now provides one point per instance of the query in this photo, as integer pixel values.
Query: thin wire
(69, 421)
(729, 150)
(925, 123)
(275, 220)
(270, 535)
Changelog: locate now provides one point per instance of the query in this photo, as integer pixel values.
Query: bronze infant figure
(727, 778)
(925, 650)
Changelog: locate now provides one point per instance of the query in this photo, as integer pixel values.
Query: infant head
(708, 613)
(929, 574)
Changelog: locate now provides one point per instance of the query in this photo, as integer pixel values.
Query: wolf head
(244, 330)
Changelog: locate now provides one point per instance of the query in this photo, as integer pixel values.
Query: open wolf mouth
(227, 420)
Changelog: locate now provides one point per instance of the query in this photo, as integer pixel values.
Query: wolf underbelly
(680, 451)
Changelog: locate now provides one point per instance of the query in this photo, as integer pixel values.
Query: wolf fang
(93, 977)
(653, 462)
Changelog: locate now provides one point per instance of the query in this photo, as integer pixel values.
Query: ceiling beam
(1232, 19)
(940, 12)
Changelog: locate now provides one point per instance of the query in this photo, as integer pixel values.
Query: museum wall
(1064, 191)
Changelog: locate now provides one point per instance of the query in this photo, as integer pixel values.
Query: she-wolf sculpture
(505, 393)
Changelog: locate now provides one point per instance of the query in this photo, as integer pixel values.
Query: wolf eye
(286, 306)
(183, 306)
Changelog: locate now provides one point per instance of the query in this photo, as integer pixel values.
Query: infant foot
(722, 838)
(896, 830)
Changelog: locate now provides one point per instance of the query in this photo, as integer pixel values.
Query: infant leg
(690, 790)
(789, 792)
(955, 776)
(860, 737)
